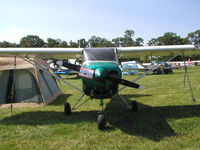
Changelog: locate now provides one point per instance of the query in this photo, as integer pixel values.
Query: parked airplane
(100, 72)
(164, 67)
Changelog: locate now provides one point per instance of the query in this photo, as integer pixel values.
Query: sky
(75, 19)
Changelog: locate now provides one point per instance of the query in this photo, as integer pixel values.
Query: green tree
(129, 34)
(31, 41)
(73, 44)
(194, 37)
(94, 41)
(63, 44)
(128, 40)
(169, 38)
(106, 43)
(118, 42)
(82, 43)
(52, 43)
(153, 42)
(139, 41)
(8, 44)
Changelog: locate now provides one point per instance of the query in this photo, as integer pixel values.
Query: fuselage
(98, 86)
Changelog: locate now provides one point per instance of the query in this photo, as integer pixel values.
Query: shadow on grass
(49, 117)
(127, 96)
(60, 100)
(149, 122)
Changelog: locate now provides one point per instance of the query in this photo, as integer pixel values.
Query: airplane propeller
(109, 77)
(123, 82)
(71, 66)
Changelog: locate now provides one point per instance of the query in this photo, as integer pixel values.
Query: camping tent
(31, 83)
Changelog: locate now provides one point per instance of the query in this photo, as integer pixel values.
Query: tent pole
(13, 85)
(40, 85)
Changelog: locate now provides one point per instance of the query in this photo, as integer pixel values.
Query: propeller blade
(72, 66)
(123, 82)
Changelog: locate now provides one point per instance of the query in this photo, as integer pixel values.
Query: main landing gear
(67, 109)
(134, 106)
(101, 121)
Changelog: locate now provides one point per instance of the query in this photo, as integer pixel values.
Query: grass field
(167, 119)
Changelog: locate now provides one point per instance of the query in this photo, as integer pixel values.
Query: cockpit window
(99, 54)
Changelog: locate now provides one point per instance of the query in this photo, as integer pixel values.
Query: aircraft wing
(61, 53)
(158, 50)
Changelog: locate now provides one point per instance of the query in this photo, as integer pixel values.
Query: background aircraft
(132, 68)
(164, 67)
(100, 72)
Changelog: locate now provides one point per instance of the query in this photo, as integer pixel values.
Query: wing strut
(151, 69)
(43, 68)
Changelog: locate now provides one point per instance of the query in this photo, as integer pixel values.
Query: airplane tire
(67, 109)
(101, 122)
(134, 106)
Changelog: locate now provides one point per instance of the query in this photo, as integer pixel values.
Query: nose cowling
(100, 73)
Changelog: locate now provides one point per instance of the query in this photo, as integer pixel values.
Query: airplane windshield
(99, 54)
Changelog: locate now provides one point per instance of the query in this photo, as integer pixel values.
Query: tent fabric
(4, 75)
(31, 83)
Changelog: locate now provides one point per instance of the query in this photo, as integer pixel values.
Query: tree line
(168, 38)
(128, 39)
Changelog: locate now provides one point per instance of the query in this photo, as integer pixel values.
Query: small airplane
(164, 67)
(132, 67)
(99, 72)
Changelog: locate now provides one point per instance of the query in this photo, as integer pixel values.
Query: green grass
(167, 119)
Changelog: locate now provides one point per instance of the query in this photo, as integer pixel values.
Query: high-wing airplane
(132, 67)
(164, 67)
(100, 72)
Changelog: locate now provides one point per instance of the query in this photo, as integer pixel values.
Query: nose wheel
(101, 122)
